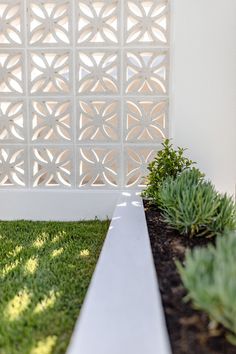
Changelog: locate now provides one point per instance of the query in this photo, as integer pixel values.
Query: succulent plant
(191, 205)
(209, 276)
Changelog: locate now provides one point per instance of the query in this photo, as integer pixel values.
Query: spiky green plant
(225, 217)
(168, 162)
(192, 206)
(209, 276)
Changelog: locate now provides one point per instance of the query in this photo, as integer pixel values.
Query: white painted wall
(62, 205)
(203, 98)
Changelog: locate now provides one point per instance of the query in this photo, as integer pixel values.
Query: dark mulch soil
(189, 330)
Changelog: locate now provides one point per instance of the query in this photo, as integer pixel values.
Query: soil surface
(189, 330)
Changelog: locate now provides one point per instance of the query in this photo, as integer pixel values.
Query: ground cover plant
(191, 205)
(209, 276)
(190, 330)
(186, 203)
(45, 270)
(167, 163)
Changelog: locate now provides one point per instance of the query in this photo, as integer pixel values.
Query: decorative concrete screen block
(145, 120)
(83, 92)
(12, 72)
(50, 72)
(13, 166)
(98, 72)
(146, 72)
(98, 120)
(51, 121)
(49, 23)
(98, 167)
(146, 23)
(52, 166)
(13, 121)
(135, 163)
(11, 23)
(98, 23)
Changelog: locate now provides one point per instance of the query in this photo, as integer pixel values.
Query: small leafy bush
(209, 276)
(168, 162)
(192, 206)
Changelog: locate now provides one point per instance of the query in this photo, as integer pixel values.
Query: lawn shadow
(45, 270)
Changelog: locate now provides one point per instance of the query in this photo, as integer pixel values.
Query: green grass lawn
(45, 270)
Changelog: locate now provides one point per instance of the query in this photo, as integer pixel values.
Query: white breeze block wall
(83, 92)
(203, 97)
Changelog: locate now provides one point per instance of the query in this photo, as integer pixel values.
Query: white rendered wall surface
(203, 93)
(62, 205)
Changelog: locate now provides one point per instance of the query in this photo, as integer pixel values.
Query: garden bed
(188, 329)
(45, 270)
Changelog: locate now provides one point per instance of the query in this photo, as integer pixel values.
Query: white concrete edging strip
(122, 312)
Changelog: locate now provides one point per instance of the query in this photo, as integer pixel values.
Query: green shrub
(192, 206)
(168, 162)
(225, 218)
(209, 276)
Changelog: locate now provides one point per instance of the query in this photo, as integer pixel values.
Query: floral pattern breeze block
(84, 91)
